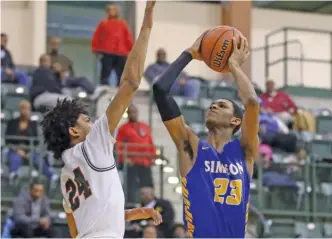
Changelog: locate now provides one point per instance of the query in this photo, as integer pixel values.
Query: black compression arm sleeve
(167, 106)
(167, 79)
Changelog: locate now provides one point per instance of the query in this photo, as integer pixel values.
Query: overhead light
(62, 215)
(173, 180)
(168, 169)
(158, 161)
(178, 189)
(82, 94)
(19, 90)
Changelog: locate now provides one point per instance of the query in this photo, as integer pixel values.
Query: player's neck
(219, 137)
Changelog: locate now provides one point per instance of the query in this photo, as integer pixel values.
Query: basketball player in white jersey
(90, 184)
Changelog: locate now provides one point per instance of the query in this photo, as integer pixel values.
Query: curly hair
(56, 123)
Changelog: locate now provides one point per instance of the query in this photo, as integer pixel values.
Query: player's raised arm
(247, 94)
(133, 71)
(184, 138)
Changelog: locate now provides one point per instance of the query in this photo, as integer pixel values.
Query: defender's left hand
(144, 213)
(240, 51)
(151, 213)
(157, 218)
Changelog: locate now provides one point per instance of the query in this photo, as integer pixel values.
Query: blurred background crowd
(291, 190)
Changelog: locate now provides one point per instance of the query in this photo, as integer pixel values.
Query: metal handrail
(266, 48)
(308, 206)
(284, 59)
(126, 155)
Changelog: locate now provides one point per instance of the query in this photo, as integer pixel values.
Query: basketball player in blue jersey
(215, 173)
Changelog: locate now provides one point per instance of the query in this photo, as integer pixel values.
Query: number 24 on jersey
(75, 189)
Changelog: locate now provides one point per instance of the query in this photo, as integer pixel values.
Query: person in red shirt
(112, 41)
(138, 136)
(278, 102)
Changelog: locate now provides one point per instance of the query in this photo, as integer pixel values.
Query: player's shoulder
(73, 154)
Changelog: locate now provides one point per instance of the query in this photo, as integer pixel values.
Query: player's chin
(210, 120)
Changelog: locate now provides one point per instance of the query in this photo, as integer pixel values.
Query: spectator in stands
(57, 57)
(19, 148)
(304, 120)
(150, 231)
(8, 72)
(278, 102)
(164, 207)
(264, 158)
(31, 213)
(184, 86)
(296, 161)
(266, 154)
(112, 42)
(274, 132)
(139, 167)
(66, 81)
(45, 89)
(179, 231)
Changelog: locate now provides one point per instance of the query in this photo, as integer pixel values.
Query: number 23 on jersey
(220, 189)
(76, 188)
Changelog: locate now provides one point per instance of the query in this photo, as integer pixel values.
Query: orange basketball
(217, 46)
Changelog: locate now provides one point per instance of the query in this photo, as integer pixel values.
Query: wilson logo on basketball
(220, 54)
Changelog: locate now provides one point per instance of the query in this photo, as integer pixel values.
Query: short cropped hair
(56, 124)
(238, 113)
(34, 183)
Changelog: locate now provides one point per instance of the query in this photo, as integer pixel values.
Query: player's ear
(74, 132)
(235, 121)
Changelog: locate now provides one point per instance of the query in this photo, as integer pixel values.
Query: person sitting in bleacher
(179, 231)
(67, 82)
(8, 72)
(278, 102)
(45, 89)
(19, 148)
(274, 132)
(150, 231)
(295, 162)
(184, 85)
(56, 57)
(31, 213)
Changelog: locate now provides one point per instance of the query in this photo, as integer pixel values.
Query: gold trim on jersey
(186, 204)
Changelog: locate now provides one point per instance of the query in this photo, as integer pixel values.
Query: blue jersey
(216, 193)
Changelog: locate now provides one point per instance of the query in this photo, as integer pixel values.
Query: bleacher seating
(324, 124)
(321, 148)
(219, 92)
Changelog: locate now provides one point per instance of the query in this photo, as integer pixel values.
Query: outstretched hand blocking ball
(217, 46)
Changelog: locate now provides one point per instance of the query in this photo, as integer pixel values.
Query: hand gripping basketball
(195, 49)
(240, 51)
